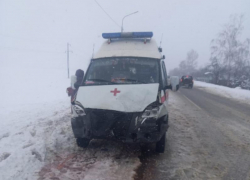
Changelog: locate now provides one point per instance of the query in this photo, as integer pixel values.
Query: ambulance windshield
(122, 71)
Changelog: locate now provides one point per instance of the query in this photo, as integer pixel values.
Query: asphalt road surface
(208, 138)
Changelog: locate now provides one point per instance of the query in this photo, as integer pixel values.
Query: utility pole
(93, 50)
(68, 58)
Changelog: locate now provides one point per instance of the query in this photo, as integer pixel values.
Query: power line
(107, 14)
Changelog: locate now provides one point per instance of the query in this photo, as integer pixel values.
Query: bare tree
(191, 60)
(183, 65)
(216, 68)
(216, 60)
(229, 59)
(227, 51)
(229, 55)
(242, 59)
(187, 66)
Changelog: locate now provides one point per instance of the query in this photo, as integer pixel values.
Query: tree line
(229, 62)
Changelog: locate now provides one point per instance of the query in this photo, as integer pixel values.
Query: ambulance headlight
(78, 109)
(150, 112)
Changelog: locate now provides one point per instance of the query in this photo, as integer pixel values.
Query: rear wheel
(160, 145)
(82, 142)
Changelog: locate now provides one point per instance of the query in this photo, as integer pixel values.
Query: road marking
(191, 101)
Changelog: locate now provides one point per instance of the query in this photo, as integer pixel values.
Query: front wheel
(82, 142)
(160, 145)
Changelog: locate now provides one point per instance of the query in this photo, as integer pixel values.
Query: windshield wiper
(101, 80)
(135, 80)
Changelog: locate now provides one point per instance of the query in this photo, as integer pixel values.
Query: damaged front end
(131, 127)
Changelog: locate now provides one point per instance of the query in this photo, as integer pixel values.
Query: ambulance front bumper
(126, 127)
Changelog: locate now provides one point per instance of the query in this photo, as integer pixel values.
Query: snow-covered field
(232, 93)
(32, 98)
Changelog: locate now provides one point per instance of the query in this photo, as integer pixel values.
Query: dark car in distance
(187, 81)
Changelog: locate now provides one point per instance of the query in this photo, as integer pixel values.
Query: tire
(160, 145)
(145, 148)
(82, 142)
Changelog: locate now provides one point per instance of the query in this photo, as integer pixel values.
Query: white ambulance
(124, 93)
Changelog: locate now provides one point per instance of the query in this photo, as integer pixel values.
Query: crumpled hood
(124, 98)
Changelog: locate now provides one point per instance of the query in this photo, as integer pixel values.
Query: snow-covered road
(208, 138)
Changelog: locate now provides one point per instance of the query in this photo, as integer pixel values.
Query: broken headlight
(151, 111)
(78, 109)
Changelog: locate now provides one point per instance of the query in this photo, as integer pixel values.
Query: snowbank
(233, 93)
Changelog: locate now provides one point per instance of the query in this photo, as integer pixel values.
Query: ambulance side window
(164, 74)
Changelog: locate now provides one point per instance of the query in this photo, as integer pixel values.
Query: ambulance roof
(128, 47)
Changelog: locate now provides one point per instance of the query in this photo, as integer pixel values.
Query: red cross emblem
(115, 91)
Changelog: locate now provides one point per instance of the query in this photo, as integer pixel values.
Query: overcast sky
(36, 31)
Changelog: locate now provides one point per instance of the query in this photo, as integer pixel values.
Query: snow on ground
(233, 93)
(104, 160)
(36, 139)
(32, 92)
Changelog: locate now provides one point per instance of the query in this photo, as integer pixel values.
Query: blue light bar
(127, 35)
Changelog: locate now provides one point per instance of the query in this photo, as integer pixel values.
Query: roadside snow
(31, 94)
(233, 93)
(104, 160)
